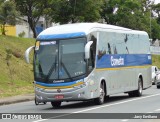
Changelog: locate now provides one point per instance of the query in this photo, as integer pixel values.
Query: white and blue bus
(85, 61)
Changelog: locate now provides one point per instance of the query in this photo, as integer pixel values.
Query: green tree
(8, 14)
(65, 11)
(156, 8)
(1, 1)
(108, 11)
(33, 9)
(134, 14)
(118, 12)
(156, 22)
(155, 28)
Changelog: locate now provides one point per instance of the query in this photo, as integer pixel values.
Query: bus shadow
(86, 104)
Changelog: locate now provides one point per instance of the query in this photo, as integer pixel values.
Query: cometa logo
(117, 62)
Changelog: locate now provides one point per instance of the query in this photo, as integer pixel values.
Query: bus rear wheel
(101, 98)
(56, 104)
(138, 92)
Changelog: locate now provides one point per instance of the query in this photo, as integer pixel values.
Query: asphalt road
(118, 108)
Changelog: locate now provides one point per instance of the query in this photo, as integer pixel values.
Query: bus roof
(77, 30)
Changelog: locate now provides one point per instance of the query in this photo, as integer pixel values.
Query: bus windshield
(60, 60)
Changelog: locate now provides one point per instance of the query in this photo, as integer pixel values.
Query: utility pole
(150, 23)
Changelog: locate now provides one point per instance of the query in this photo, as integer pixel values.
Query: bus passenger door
(91, 60)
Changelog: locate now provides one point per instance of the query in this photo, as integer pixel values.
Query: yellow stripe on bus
(58, 87)
(122, 68)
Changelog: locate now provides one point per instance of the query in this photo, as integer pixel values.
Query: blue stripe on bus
(59, 84)
(123, 60)
(60, 36)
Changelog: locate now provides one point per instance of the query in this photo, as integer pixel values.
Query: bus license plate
(59, 97)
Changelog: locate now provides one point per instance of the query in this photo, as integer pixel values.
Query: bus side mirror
(87, 49)
(27, 54)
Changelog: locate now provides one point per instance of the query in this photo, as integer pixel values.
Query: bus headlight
(90, 82)
(39, 89)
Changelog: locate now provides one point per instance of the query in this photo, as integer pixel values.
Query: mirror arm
(27, 54)
(87, 49)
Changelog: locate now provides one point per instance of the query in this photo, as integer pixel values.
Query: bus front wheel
(101, 98)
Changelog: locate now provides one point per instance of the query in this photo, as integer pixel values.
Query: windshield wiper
(53, 67)
(66, 70)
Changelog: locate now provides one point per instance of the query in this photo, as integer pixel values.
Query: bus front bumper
(80, 94)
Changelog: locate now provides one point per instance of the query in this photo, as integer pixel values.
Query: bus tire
(138, 92)
(56, 104)
(101, 98)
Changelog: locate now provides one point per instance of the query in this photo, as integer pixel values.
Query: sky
(156, 1)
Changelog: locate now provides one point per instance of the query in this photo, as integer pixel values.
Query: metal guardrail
(155, 50)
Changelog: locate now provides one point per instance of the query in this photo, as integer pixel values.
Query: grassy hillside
(156, 60)
(16, 76)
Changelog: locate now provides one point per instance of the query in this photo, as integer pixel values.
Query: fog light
(81, 94)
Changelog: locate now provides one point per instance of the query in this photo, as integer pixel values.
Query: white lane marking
(41, 120)
(150, 112)
(116, 103)
(157, 110)
(124, 120)
(99, 107)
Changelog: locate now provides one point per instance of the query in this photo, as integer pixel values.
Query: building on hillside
(10, 30)
(22, 29)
